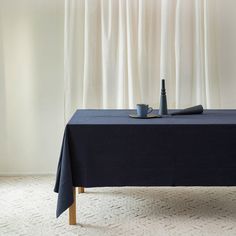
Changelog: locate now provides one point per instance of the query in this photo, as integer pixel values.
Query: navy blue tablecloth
(107, 148)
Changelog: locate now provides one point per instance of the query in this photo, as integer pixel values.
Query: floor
(27, 207)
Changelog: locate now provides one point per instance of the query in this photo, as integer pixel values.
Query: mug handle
(150, 109)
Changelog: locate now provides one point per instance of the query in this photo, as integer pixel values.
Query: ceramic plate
(149, 116)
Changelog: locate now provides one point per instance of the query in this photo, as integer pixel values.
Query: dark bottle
(163, 100)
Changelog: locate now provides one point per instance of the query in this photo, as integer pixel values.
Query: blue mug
(143, 110)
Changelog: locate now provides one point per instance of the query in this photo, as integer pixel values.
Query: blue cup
(143, 110)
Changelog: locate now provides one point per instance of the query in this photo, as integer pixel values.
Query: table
(104, 148)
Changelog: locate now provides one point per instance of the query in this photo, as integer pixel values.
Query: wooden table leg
(80, 189)
(72, 210)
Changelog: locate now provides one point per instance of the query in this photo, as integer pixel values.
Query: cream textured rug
(27, 207)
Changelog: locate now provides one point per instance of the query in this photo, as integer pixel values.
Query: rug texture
(28, 205)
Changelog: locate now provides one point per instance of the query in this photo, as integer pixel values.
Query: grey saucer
(149, 116)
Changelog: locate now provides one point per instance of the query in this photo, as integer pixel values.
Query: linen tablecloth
(107, 148)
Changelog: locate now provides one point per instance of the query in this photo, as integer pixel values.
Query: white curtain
(116, 52)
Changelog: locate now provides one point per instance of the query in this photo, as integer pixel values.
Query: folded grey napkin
(189, 111)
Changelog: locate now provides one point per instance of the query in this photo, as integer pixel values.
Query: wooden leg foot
(80, 189)
(72, 211)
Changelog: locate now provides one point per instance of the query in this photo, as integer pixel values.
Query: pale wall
(31, 87)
